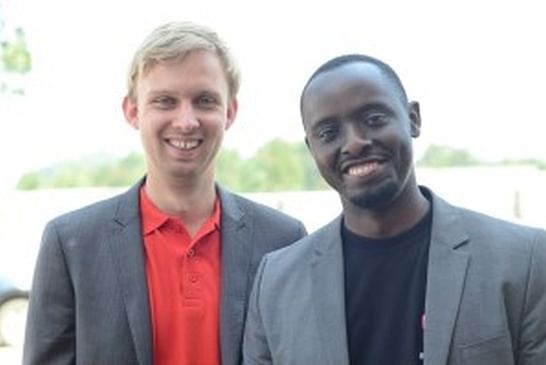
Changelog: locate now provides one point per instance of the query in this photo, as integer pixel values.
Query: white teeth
(184, 144)
(362, 170)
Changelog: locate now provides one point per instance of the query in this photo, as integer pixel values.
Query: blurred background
(477, 69)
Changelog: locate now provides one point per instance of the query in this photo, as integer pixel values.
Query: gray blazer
(89, 299)
(485, 296)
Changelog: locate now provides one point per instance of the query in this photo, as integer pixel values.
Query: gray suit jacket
(485, 296)
(89, 299)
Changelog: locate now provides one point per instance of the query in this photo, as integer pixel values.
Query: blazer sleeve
(50, 326)
(532, 344)
(255, 347)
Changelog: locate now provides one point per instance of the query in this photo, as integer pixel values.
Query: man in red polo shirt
(160, 274)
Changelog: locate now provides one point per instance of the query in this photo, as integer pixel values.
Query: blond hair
(176, 40)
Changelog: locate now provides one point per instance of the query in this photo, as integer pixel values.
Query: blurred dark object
(13, 311)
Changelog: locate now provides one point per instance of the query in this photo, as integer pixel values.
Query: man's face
(359, 132)
(182, 109)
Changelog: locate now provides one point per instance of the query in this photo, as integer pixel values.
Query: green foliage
(229, 165)
(90, 171)
(277, 166)
(15, 60)
(541, 165)
(445, 156)
(16, 57)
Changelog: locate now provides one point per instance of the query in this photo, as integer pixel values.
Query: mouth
(184, 144)
(362, 168)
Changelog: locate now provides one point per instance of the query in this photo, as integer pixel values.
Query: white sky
(476, 67)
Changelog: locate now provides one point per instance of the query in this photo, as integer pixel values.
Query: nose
(356, 141)
(186, 119)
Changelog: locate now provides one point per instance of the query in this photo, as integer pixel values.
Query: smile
(184, 144)
(363, 169)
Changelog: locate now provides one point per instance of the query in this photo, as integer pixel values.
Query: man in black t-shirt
(401, 277)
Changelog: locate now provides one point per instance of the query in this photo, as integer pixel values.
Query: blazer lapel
(328, 294)
(236, 251)
(128, 253)
(445, 281)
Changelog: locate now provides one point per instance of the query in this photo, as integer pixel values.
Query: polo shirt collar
(153, 218)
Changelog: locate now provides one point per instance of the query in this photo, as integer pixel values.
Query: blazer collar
(230, 207)
(328, 292)
(447, 268)
(236, 228)
(331, 231)
(128, 252)
(128, 208)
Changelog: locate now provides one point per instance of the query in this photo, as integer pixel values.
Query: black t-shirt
(385, 283)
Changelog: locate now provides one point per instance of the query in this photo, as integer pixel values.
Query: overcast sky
(476, 67)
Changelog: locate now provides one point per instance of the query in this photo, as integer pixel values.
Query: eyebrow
(197, 92)
(159, 92)
(364, 107)
(324, 122)
(373, 106)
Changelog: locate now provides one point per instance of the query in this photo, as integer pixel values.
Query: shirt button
(194, 278)
(190, 253)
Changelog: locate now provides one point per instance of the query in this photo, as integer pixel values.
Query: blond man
(160, 274)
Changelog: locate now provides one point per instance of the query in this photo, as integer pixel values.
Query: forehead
(198, 68)
(346, 88)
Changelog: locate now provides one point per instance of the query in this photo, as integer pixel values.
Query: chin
(375, 197)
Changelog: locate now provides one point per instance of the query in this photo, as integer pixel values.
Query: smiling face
(182, 109)
(359, 131)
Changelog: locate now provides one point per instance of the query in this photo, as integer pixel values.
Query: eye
(206, 101)
(375, 119)
(327, 133)
(164, 102)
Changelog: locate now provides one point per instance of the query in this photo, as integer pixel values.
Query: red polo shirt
(183, 276)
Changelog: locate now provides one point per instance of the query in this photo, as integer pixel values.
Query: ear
(415, 119)
(231, 112)
(130, 110)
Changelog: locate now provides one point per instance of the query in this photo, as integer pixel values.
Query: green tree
(446, 156)
(540, 164)
(30, 181)
(276, 166)
(229, 166)
(16, 57)
(86, 172)
(312, 180)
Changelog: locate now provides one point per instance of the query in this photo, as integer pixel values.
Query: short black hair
(339, 61)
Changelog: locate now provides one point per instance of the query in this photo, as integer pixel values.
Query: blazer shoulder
(320, 242)
(510, 246)
(95, 208)
(482, 230)
(92, 216)
(261, 212)
(498, 230)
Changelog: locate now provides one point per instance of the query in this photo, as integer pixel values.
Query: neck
(191, 201)
(388, 221)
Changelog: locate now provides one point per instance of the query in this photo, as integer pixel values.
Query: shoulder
(233, 202)
(324, 241)
(96, 214)
(493, 229)
(486, 225)
(482, 232)
(505, 242)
